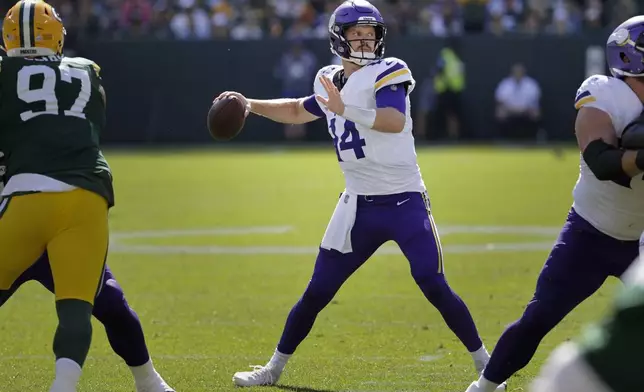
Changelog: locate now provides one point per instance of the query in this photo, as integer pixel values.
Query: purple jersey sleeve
(312, 106)
(394, 96)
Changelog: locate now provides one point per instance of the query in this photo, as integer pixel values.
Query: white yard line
(202, 232)
(117, 245)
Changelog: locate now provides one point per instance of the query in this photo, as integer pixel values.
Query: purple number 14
(341, 143)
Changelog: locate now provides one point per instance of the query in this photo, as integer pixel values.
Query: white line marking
(202, 232)
(518, 230)
(117, 245)
(430, 358)
(312, 250)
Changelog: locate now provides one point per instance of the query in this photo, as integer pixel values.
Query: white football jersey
(373, 163)
(612, 209)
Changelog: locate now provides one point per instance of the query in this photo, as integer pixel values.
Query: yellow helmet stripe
(26, 17)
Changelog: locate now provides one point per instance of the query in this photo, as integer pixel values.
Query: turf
(213, 247)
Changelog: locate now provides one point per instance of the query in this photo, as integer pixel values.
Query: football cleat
(261, 375)
(474, 387)
(158, 385)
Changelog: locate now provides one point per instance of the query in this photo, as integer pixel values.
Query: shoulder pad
(594, 88)
(391, 71)
(85, 62)
(612, 96)
(79, 60)
(97, 69)
(327, 71)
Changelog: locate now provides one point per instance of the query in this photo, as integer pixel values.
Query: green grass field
(213, 248)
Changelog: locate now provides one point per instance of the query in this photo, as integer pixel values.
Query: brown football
(226, 118)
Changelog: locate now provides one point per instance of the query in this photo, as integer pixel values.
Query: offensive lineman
(52, 110)
(607, 358)
(366, 105)
(600, 236)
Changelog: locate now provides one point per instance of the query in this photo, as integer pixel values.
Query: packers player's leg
(124, 330)
(22, 238)
(77, 252)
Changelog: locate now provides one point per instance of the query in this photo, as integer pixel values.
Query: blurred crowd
(255, 19)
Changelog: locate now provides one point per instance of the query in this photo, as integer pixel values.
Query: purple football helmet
(356, 13)
(625, 49)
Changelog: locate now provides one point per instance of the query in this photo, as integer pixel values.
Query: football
(226, 118)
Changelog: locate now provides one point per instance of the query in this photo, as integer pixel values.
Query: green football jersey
(52, 112)
(614, 348)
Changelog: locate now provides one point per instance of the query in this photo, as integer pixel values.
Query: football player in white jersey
(366, 104)
(600, 236)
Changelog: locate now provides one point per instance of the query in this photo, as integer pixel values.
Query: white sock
(67, 374)
(144, 373)
(278, 361)
(481, 354)
(486, 385)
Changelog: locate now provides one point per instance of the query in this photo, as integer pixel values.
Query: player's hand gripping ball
(227, 115)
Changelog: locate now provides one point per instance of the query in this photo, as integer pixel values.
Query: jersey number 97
(47, 93)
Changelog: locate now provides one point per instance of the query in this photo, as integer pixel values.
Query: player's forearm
(385, 120)
(389, 120)
(286, 111)
(609, 163)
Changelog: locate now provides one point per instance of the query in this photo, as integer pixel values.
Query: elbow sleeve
(605, 161)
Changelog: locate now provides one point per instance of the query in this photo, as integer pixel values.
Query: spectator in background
(505, 15)
(206, 19)
(565, 18)
(622, 10)
(594, 10)
(495, 22)
(190, 21)
(532, 23)
(102, 19)
(160, 25)
(249, 29)
(296, 70)
(221, 15)
(136, 17)
(517, 105)
(474, 15)
(449, 82)
(444, 19)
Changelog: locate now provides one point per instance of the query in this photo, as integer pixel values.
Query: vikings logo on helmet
(354, 13)
(625, 48)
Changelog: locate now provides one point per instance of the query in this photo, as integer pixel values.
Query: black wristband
(639, 160)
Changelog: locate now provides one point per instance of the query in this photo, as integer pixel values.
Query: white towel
(338, 232)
